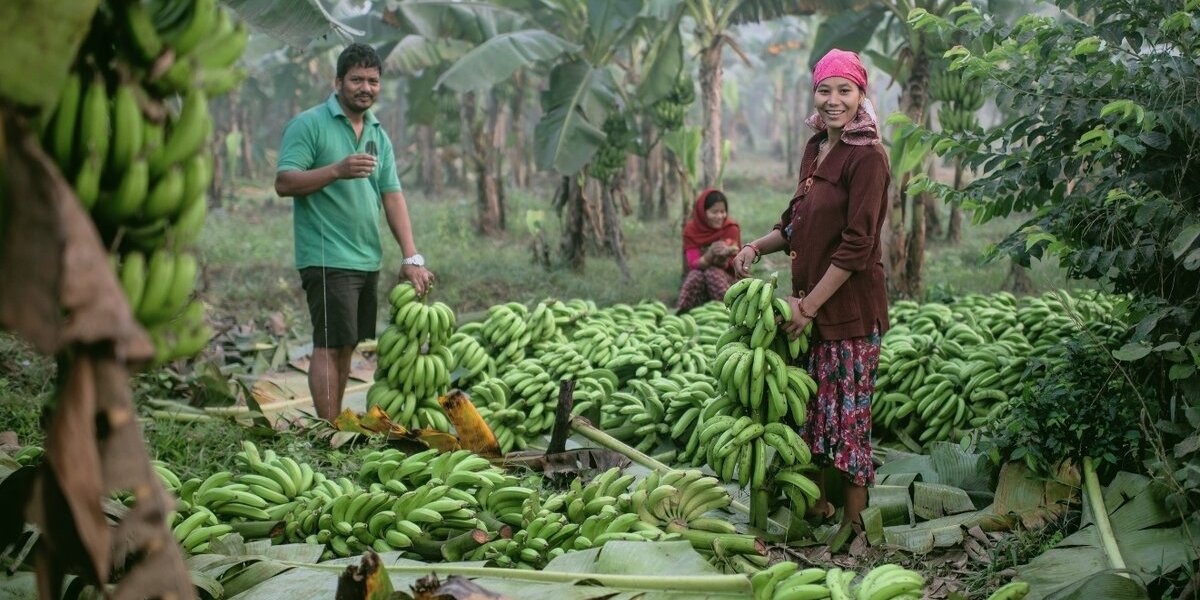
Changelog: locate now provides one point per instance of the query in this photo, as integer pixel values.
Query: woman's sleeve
(867, 186)
(693, 257)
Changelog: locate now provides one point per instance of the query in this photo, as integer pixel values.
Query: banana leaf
(1149, 537)
(943, 532)
(894, 504)
(1110, 586)
(934, 500)
(1033, 500)
(295, 23)
(497, 58)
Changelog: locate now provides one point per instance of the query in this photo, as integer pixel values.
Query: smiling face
(716, 215)
(837, 100)
(358, 89)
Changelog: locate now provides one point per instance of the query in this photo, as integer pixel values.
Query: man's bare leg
(327, 374)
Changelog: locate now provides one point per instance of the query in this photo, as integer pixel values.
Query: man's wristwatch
(415, 260)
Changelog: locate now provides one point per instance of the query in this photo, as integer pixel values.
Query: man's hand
(420, 277)
(355, 166)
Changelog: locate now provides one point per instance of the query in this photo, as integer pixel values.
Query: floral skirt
(701, 286)
(838, 429)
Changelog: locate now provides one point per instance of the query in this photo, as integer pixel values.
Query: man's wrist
(416, 260)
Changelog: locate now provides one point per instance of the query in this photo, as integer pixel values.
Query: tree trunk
(650, 178)
(612, 229)
(954, 229)
(517, 160)
(1017, 281)
(670, 182)
(431, 167)
(570, 202)
(498, 124)
(475, 143)
(906, 252)
(933, 216)
(780, 113)
(711, 73)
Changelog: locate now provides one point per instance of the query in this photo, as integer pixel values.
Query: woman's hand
(742, 261)
(795, 326)
(719, 249)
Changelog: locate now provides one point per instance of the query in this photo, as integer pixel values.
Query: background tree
(1101, 149)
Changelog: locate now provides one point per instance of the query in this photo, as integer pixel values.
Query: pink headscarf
(864, 129)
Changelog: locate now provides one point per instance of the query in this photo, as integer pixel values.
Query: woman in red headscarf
(710, 239)
(831, 229)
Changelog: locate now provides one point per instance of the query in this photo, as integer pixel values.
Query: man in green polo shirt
(337, 162)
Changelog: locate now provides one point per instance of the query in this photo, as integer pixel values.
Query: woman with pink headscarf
(831, 230)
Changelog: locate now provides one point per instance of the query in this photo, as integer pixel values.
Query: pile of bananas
(786, 581)
(668, 112)
(960, 98)
(944, 369)
(414, 360)
(618, 141)
(141, 167)
(471, 357)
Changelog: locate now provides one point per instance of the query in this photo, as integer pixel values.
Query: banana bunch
(668, 112)
(344, 524)
(505, 333)
(684, 404)
(695, 452)
(581, 502)
(712, 320)
(411, 409)
(596, 341)
(737, 448)
(562, 360)
(637, 417)
(502, 506)
(678, 346)
(760, 380)
(225, 497)
(545, 536)
(138, 165)
(439, 509)
(281, 475)
(635, 360)
(611, 524)
(610, 158)
(954, 119)
(471, 357)
(1013, 590)
(682, 497)
(797, 487)
(168, 477)
(532, 391)
(197, 530)
(507, 422)
(431, 324)
(205, 39)
(785, 580)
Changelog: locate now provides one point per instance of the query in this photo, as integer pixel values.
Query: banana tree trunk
(498, 125)
(570, 201)
(711, 75)
(954, 227)
(612, 229)
(518, 161)
(906, 251)
(933, 216)
(650, 180)
(780, 112)
(476, 145)
(431, 165)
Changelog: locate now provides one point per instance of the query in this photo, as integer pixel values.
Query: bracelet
(800, 309)
(757, 252)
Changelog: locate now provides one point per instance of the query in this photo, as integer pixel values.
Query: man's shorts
(342, 305)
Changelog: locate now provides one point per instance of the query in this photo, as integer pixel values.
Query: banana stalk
(709, 584)
(1100, 514)
(733, 543)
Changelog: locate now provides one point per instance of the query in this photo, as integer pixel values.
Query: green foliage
(1078, 407)
(1100, 148)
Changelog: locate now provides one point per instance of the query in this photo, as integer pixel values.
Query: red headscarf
(698, 234)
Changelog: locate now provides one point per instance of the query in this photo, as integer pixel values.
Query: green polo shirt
(338, 225)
